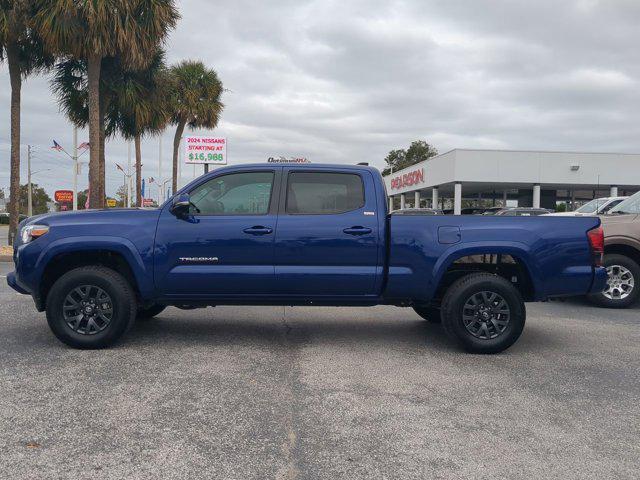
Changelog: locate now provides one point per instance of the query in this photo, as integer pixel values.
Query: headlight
(31, 232)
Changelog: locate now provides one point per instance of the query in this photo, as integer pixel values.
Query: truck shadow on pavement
(407, 335)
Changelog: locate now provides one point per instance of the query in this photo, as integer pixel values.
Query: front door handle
(258, 230)
(357, 230)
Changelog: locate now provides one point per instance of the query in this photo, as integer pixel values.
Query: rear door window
(318, 193)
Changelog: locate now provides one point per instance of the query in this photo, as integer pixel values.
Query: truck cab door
(327, 242)
(224, 247)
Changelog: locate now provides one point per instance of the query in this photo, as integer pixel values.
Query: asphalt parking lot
(257, 393)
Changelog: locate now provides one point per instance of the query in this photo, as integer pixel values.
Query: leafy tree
(129, 30)
(82, 199)
(1, 192)
(121, 196)
(417, 152)
(39, 198)
(23, 52)
(194, 93)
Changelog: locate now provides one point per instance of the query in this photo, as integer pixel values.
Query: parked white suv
(597, 206)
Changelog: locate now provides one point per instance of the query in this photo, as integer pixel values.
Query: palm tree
(92, 30)
(194, 100)
(131, 101)
(24, 55)
(142, 108)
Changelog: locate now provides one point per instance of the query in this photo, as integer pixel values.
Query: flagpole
(75, 167)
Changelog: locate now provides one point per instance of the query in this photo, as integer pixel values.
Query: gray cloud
(348, 81)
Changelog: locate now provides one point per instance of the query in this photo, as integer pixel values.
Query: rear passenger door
(327, 236)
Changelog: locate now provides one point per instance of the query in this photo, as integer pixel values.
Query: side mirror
(180, 205)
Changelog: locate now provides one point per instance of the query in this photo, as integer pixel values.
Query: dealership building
(517, 178)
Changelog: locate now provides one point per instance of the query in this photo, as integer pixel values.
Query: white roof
(520, 169)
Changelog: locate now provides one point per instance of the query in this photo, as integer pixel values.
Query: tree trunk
(176, 146)
(93, 76)
(101, 174)
(138, 171)
(14, 188)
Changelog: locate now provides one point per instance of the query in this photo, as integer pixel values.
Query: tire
(617, 293)
(110, 314)
(479, 321)
(150, 312)
(430, 314)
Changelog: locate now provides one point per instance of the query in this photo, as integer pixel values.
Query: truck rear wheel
(622, 290)
(430, 314)
(483, 313)
(90, 307)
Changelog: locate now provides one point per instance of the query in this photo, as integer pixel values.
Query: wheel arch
(470, 259)
(120, 256)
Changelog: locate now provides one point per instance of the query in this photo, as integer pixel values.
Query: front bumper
(12, 281)
(599, 280)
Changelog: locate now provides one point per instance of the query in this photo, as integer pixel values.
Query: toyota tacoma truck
(299, 235)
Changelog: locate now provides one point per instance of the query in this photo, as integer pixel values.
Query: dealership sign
(63, 196)
(205, 150)
(408, 179)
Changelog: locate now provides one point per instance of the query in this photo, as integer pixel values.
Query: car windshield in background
(592, 206)
(630, 205)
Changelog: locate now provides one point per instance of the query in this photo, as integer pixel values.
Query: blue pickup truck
(299, 235)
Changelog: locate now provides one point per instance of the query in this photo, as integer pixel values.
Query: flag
(56, 146)
(119, 168)
(142, 189)
(83, 145)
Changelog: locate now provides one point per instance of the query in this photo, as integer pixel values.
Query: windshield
(630, 205)
(592, 206)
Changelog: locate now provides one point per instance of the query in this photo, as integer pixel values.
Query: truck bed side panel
(555, 251)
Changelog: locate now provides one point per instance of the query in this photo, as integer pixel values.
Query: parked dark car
(522, 212)
(466, 211)
(417, 211)
(492, 210)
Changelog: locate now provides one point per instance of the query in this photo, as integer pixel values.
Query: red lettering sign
(63, 196)
(408, 179)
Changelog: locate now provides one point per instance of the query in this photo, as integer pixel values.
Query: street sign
(111, 202)
(63, 196)
(201, 150)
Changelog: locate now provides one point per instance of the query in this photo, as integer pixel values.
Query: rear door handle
(357, 230)
(258, 230)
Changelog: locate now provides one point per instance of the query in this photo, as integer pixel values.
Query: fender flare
(519, 251)
(120, 245)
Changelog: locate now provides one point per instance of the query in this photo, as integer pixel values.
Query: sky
(348, 81)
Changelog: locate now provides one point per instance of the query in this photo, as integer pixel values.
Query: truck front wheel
(90, 307)
(483, 313)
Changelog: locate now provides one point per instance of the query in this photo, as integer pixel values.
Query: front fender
(142, 274)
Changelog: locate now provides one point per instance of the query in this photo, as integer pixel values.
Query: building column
(614, 191)
(390, 202)
(536, 196)
(457, 198)
(416, 200)
(434, 201)
(402, 200)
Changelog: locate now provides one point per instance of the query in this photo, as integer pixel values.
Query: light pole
(29, 187)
